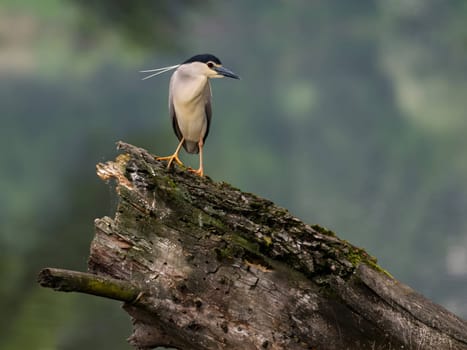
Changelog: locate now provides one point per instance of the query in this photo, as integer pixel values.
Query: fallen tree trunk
(202, 265)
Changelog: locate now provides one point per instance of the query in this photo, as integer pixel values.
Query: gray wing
(174, 119)
(208, 111)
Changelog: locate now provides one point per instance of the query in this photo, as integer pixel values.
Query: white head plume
(158, 71)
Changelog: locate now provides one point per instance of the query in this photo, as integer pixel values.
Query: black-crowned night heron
(190, 102)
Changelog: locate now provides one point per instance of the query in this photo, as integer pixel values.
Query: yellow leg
(173, 156)
(200, 171)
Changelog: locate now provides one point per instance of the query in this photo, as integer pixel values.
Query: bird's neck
(189, 86)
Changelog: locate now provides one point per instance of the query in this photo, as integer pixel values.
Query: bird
(190, 103)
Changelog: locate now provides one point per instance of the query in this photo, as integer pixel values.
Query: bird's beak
(226, 72)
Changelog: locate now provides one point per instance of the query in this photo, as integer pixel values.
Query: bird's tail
(191, 147)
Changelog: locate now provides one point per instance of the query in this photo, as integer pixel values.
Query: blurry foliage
(351, 115)
(142, 23)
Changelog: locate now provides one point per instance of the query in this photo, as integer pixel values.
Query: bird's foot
(199, 172)
(173, 157)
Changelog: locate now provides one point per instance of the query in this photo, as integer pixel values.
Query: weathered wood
(224, 269)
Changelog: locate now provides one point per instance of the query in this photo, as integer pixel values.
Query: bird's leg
(173, 156)
(200, 171)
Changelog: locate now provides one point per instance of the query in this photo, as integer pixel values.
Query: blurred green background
(351, 114)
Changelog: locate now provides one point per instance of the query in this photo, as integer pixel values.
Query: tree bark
(206, 266)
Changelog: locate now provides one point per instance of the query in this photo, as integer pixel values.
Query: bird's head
(207, 65)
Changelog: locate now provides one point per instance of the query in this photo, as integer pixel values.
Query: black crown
(204, 58)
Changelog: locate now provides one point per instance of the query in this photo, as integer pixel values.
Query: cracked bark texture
(223, 269)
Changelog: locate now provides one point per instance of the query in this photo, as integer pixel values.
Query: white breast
(189, 95)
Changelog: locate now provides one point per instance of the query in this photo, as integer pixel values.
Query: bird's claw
(171, 158)
(199, 172)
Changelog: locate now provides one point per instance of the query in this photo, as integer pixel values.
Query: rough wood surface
(224, 269)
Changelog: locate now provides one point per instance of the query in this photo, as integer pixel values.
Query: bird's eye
(210, 64)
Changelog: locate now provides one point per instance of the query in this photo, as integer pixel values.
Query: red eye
(210, 64)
